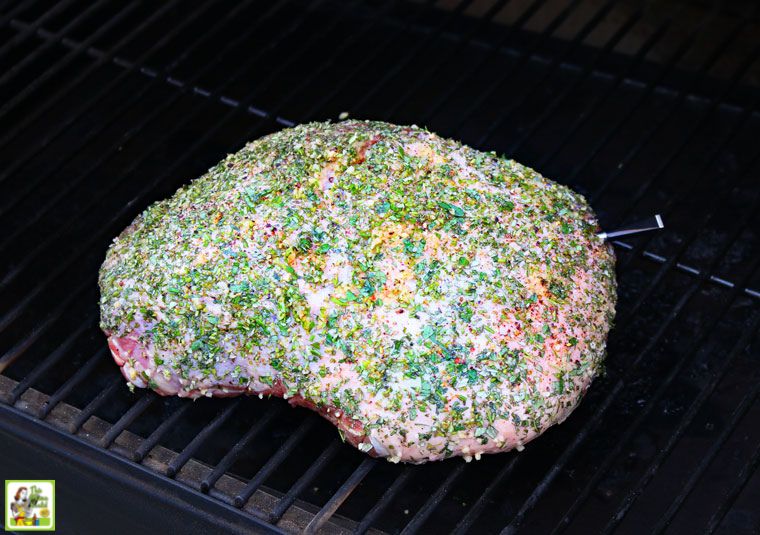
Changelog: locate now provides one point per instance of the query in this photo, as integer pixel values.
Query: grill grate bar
(752, 292)
(12, 315)
(66, 388)
(284, 503)
(556, 62)
(696, 474)
(685, 421)
(427, 508)
(97, 53)
(340, 496)
(188, 451)
(675, 311)
(149, 443)
(468, 519)
(688, 269)
(16, 351)
(505, 36)
(117, 112)
(273, 114)
(62, 266)
(640, 55)
(49, 361)
(75, 83)
(741, 480)
(409, 90)
(694, 234)
(346, 79)
(136, 66)
(31, 28)
(232, 102)
(587, 71)
(662, 120)
(617, 389)
(231, 456)
(95, 404)
(385, 500)
(93, 237)
(20, 6)
(523, 58)
(661, 389)
(46, 363)
(731, 424)
(32, 336)
(106, 228)
(127, 418)
(52, 237)
(70, 56)
(274, 461)
(667, 265)
(619, 79)
(680, 53)
(283, 67)
(102, 92)
(388, 74)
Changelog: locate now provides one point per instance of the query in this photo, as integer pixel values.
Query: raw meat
(429, 299)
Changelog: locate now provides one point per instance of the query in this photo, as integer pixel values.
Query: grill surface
(107, 106)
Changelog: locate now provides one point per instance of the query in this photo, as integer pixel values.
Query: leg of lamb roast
(429, 299)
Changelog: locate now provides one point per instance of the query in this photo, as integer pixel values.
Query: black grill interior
(643, 107)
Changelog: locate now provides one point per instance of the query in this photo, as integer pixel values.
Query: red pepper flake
(362, 152)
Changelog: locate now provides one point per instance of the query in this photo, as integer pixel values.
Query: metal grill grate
(108, 106)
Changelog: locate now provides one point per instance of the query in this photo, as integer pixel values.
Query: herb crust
(441, 300)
